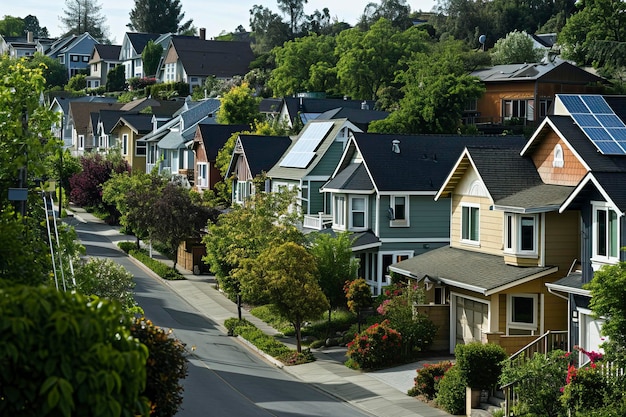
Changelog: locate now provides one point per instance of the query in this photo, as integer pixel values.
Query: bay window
(520, 234)
(358, 213)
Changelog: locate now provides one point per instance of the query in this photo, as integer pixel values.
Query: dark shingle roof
(108, 52)
(614, 183)
(109, 119)
(354, 178)
(424, 161)
(214, 136)
(481, 272)
(139, 40)
(262, 152)
(218, 58)
(142, 123)
(361, 118)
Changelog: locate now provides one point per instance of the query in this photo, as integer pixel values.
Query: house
(253, 156)
(20, 46)
(169, 145)
(522, 94)
(300, 110)
(72, 51)
(129, 128)
(130, 52)
(383, 190)
(507, 240)
(103, 59)
(308, 164)
(81, 124)
(584, 146)
(207, 142)
(193, 60)
(104, 136)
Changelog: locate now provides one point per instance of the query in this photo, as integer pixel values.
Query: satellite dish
(482, 39)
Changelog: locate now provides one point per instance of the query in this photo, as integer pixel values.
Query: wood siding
(563, 239)
(543, 155)
(490, 225)
(427, 219)
(490, 104)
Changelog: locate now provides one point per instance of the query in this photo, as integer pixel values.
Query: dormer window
(520, 234)
(558, 162)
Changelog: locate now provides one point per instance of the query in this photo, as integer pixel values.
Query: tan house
(129, 128)
(103, 59)
(507, 240)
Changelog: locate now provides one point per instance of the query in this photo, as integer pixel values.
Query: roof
(318, 106)
(360, 117)
(109, 118)
(139, 40)
(609, 184)
(360, 240)
(108, 52)
(475, 271)
(222, 59)
(262, 152)
(80, 111)
(571, 284)
(64, 102)
(558, 72)
(423, 161)
(353, 178)
(140, 123)
(214, 136)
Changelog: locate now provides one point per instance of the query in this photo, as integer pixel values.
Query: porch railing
(551, 340)
(317, 222)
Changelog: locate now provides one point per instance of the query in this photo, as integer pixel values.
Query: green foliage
(106, 279)
(158, 16)
(11, 26)
(80, 16)
(165, 367)
(65, 354)
(232, 323)
(427, 379)
(265, 342)
(586, 389)
(116, 79)
(158, 267)
(77, 83)
(126, 246)
(377, 346)
(239, 106)
(167, 91)
(480, 363)
(359, 295)
(516, 48)
(540, 380)
(451, 394)
(269, 315)
(53, 71)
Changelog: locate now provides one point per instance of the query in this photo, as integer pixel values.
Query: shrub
(127, 246)
(165, 367)
(158, 267)
(379, 345)
(451, 394)
(232, 323)
(480, 364)
(427, 379)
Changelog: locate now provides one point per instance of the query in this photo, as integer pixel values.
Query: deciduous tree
(359, 296)
(239, 106)
(516, 48)
(268, 29)
(294, 9)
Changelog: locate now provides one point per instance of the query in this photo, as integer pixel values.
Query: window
(94, 68)
(203, 178)
(81, 142)
(522, 109)
(85, 58)
(124, 145)
(74, 58)
(605, 233)
(62, 59)
(399, 211)
(393, 258)
(522, 314)
(339, 212)
(544, 107)
(520, 234)
(244, 190)
(358, 213)
(470, 224)
(102, 140)
(557, 162)
(140, 148)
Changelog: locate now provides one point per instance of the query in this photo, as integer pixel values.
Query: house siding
(572, 171)
(490, 225)
(328, 161)
(490, 104)
(427, 219)
(562, 239)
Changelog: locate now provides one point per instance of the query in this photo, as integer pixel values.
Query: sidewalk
(380, 393)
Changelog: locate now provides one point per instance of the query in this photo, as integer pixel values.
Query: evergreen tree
(158, 16)
(84, 16)
(31, 24)
(151, 57)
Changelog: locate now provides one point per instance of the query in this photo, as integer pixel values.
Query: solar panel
(586, 120)
(610, 120)
(574, 104)
(303, 151)
(597, 104)
(609, 147)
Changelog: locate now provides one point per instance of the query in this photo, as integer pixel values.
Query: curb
(269, 358)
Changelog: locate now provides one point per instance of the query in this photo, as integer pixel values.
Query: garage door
(471, 320)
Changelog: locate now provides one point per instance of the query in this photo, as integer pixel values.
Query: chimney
(29, 37)
(364, 105)
(395, 146)
(203, 34)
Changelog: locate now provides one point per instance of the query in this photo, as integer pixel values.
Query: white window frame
(101, 142)
(513, 224)
(520, 108)
(558, 161)
(203, 176)
(339, 211)
(468, 240)
(125, 144)
(394, 221)
(352, 211)
(600, 206)
(531, 327)
(81, 142)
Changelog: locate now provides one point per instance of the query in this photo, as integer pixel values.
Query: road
(224, 377)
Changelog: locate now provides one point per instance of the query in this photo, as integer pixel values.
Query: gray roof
(172, 140)
(479, 272)
(538, 198)
(214, 136)
(262, 152)
(360, 240)
(353, 178)
(557, 71)
(223, 59)
(142, 123)
(139, 40)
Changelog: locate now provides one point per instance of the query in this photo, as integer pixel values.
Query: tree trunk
(298, 328)
(138, 244)
(329, 322)
(175, 250)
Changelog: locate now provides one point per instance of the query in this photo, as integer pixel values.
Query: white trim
(365, 247)
(351, 213)
(557, 156)
(516, 235)
(346, 191)
(581, 185)
(568, 290)
(469, 241)
(315, 178)
(510, 324)
(522, 281)
(607, 208)
(406, 222)
(415, 240)
(404, 192)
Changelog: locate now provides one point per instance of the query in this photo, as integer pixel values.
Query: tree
(158, 16)
(336, 265)
(62, 353)
(116, 79)
(287, 276)
(396, 11)
(31, 24)
(52, 70)
(294, 9)
(77, 83)
(151, 57)
(239, 106)
(516, 48)
(11, 26)
(359, 296)
(82, 16)
(268, 29)
(436, 88)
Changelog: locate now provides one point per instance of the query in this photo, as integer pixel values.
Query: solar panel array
(599, 122)
(303, 151)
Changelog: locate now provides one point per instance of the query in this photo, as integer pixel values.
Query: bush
(427, 379)
(232, 323)
(169, 90)
(451, 394)
(158, 267)
(165, 367)
(480, 364)
(127, 246)
(378, 346)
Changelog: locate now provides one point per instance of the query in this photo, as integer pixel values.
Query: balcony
(318, 222)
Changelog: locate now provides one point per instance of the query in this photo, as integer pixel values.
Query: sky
(216, 16)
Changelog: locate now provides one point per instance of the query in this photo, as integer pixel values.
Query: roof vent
(395, 146)
(364, 105)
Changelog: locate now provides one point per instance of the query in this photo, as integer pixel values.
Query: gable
(471, 185)
(543, 156)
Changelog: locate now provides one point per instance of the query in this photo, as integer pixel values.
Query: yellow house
(129, 128)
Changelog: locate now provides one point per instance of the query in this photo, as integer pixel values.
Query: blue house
(74, 52)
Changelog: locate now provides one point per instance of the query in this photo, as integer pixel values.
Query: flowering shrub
(377, 346)
(585, 388)
(427, 379)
